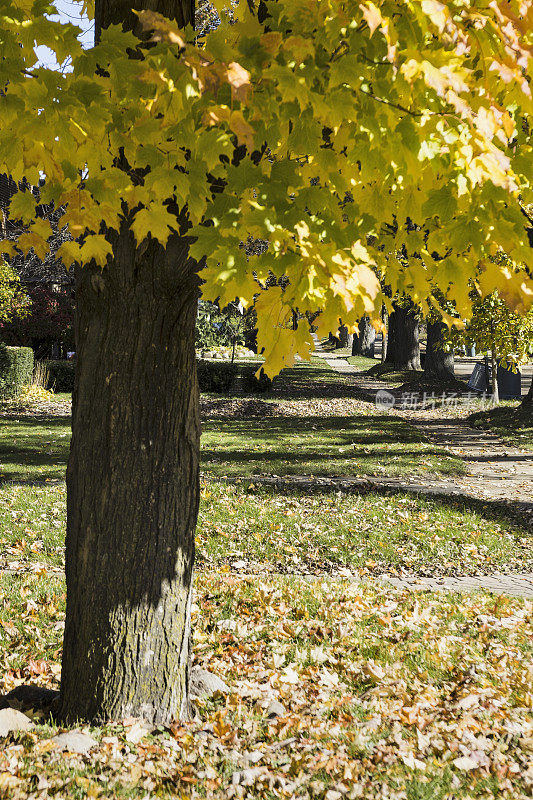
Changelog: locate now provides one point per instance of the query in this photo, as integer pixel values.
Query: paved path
(494, 471)
(517, 585)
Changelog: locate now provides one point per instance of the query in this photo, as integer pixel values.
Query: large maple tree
(357, 138)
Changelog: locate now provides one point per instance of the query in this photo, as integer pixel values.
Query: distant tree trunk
(494, 367)
(344, 336)
(364, 341)
(494, 370)
(403, 349)
(384, 334)
(438, 361)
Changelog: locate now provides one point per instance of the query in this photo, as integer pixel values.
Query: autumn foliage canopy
(360, 139)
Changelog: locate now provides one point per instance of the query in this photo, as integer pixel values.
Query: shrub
(215, 376)
(253, 383)
(61, 375)
(31, 395)
(48, 319)
(16, 369)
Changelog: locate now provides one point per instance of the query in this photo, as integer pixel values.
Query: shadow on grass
(368, 430)
(44, 420)
(514, 424)
(319, 445)
(33, 449)
(315, 381)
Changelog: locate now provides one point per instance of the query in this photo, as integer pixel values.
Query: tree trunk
(133, 475)
(438, 361)
(343, 336)
(494, 371)
(132, 487)
(385, 334)
(494, 367)
(364, 342)
(403, 349)
(121, 12)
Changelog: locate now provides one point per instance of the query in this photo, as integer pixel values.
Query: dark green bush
(251, 382)
(215, 376)
(61, 375)
(16, 370)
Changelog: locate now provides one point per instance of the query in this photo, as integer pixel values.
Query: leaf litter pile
(335, 690)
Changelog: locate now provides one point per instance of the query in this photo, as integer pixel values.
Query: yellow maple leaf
(96, 248)
(153, 221)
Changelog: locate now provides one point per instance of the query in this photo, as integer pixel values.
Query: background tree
(341, 118)
(439, 360)
(498, 333)
(403, 336)
(13, 301)
(46, 324)
(345, 337)
(528, 398)
(364, 339)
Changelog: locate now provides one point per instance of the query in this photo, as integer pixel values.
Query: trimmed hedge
(61, 375)
(16, 370)
(215, 376)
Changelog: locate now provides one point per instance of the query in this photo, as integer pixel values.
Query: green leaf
(441, 203)
(155, 222)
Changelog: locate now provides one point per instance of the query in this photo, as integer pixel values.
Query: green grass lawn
(37, 449)
(260, 530)
(362, 362)
(277, 531)
(512, 422)
(383, 694)
(33, 448)
(320, 446)
(361, 444)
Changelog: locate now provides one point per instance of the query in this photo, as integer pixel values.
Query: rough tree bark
(438, 361)
(132, 477)
(403, 340)
(364, 342)
(120, 12)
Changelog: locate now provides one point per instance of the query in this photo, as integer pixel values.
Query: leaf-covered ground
(252, 529)
(511, 421)
(383, 694)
